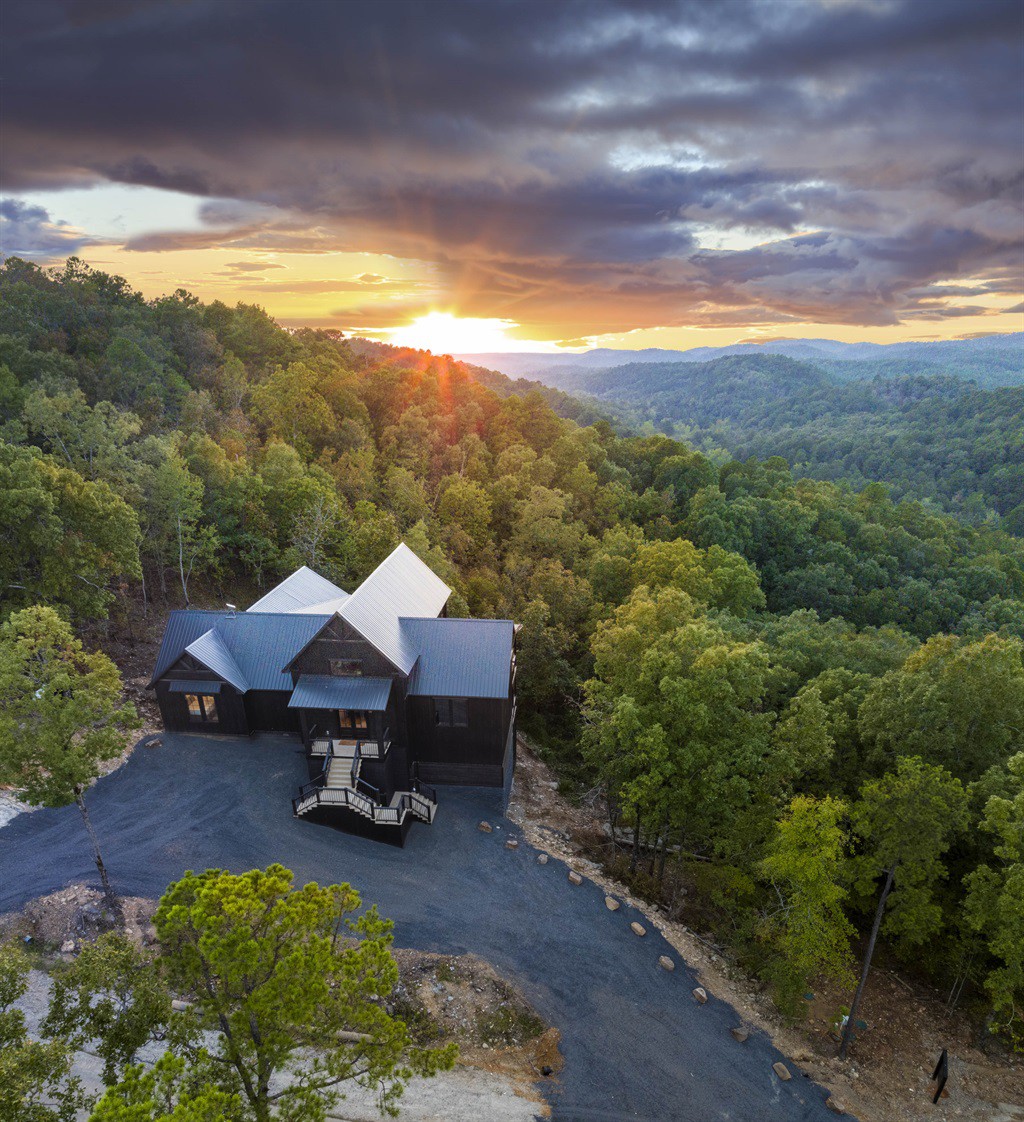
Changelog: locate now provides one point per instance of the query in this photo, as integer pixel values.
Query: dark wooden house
(388, 695)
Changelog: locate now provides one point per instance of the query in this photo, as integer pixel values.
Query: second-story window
(452, 712)
(346, 667)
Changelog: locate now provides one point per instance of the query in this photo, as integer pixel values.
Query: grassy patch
(508, 1026)
(422, 1027)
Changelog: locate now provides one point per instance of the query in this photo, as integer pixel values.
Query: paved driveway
(636, 1045)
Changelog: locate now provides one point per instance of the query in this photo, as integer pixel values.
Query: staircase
(339, 785)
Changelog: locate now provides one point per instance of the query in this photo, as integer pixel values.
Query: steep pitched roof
(251, 649)
(210, 650)
(460, 657)
(304, 591)
(401, 585)
(259, 644)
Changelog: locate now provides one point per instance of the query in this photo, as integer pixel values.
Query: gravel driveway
(636, 1044)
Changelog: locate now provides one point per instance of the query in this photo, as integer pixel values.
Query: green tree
(66, 539)
(290, 406)
(35, 1076)
(61, 716)
(170, 1091)
(906, 821)
(172, 507)
(112, 997)
(994, 906)
(290, 983)
(805, 866)
(954, 702)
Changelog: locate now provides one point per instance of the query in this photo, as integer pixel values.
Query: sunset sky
(494, 175)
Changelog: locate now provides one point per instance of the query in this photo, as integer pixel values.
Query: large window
(452, 712)
(201, 707)
(346, 667)
(352, 719)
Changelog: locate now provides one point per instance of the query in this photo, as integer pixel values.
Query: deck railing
(371, 748)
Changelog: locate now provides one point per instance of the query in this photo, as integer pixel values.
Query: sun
(444, 333)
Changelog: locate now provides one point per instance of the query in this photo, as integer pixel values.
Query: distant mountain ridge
(992, 360)
(942, 422)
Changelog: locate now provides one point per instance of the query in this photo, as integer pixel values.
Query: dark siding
(462, 775)
(340, 640)
(471, 755)
(231, 717)
(268, 711)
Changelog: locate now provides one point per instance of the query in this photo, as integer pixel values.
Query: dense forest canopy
(732, 653)
(930, 433)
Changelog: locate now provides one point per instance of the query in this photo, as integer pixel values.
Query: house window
(453, 712)
(352, 718)
(201, 707)
(346, 668)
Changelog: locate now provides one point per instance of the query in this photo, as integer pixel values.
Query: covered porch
(347, 715)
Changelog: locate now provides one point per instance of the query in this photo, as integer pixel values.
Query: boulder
(666, 963)
(485, 828)
(574, 877)
(611, 903)
(68, 946)
(700, 995)
(638, 929)
(835, 1105)
(542, 858)
(740, 1033)
(179, 1006)
(781, 1071)
(511, 843)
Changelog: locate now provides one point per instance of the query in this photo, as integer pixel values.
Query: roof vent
(231, 610)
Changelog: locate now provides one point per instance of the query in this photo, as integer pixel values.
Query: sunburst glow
(444, 333)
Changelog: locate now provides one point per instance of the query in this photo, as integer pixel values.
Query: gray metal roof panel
(299, 592)
(318, 691)
(260, 643)
(460, 657)
(210, 650)
(401, 585)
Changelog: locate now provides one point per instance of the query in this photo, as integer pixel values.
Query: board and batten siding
(473, 754)
(231, 714)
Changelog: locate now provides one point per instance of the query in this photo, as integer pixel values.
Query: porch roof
(319, 691)
(193, 685)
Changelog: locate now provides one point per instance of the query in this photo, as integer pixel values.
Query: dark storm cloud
(559, 163)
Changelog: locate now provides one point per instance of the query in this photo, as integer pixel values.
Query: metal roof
(317, 691)
(303, 591)
(460, 657)
(179, 685)
(401, 585)
(260, 644)
(209, 649)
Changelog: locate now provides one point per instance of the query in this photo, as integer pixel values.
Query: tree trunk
(181, 562)
(108, 891)
(869, 954)
(663, 857)
(635, 855)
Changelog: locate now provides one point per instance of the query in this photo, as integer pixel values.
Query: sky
(486, 175)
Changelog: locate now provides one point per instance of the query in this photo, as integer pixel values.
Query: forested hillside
(936, 437)
(747, 664)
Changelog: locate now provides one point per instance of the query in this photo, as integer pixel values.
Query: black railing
(357, 759)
